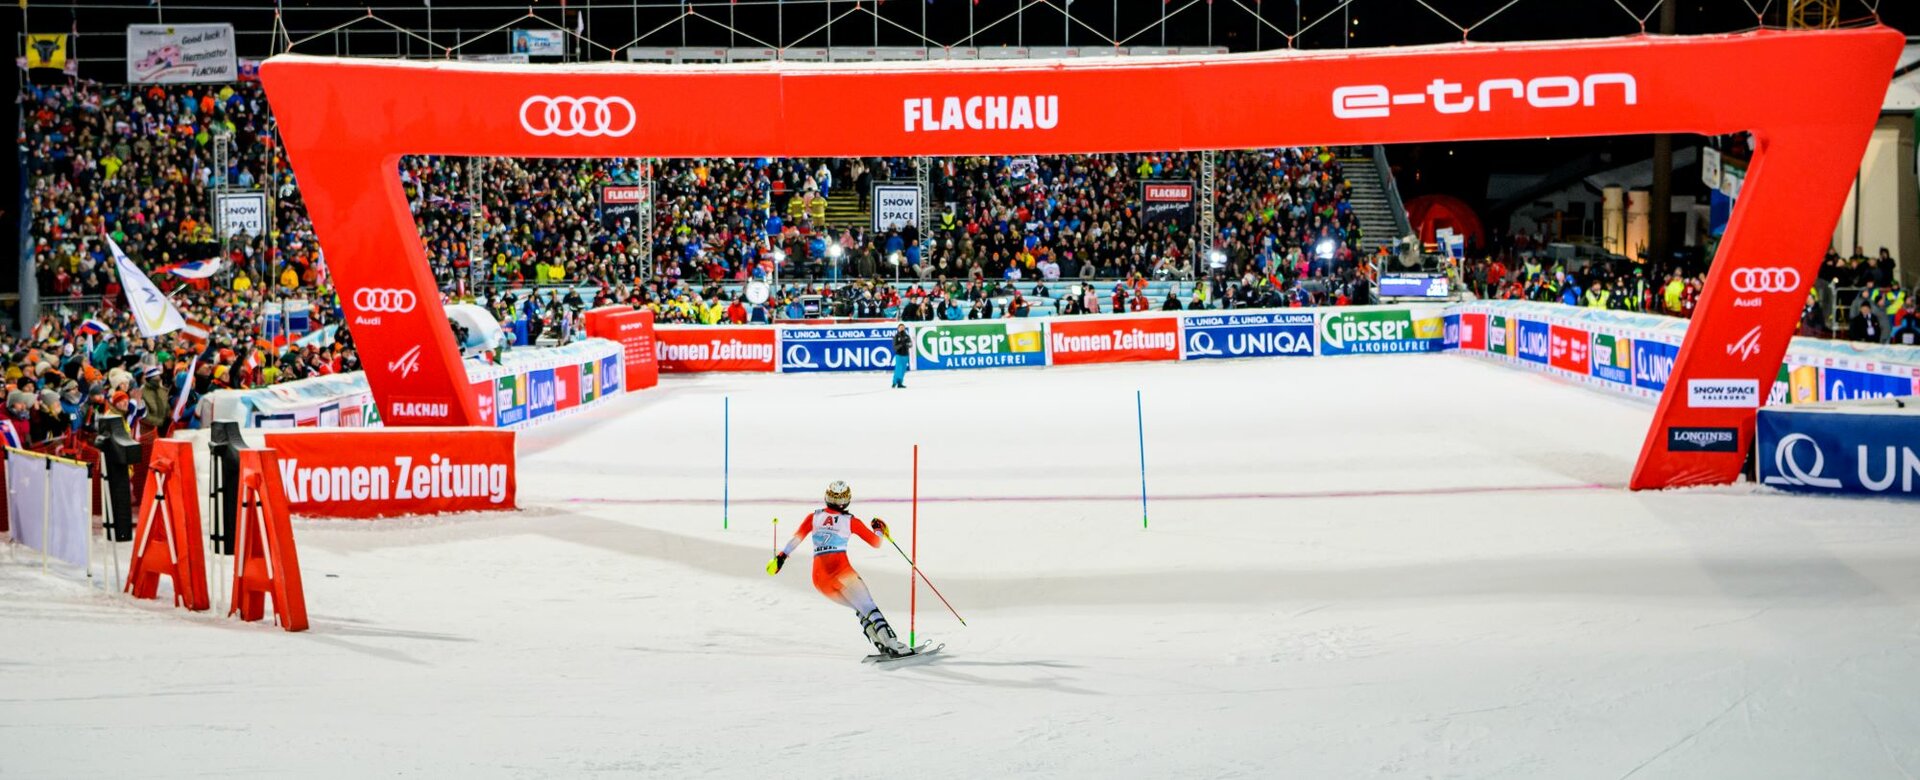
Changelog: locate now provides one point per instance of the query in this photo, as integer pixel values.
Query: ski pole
(923, 578)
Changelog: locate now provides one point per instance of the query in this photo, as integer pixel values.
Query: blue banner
(540, 393)
(609, 375)
(1534, 345)
(1859, 452)
(1839, 384)
(1248, 335)
(805, 350)
(1652, 363)
(1450, 337)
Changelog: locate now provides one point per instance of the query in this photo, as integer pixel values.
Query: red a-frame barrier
(1809, 97)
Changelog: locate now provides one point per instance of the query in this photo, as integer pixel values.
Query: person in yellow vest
(1675, 288)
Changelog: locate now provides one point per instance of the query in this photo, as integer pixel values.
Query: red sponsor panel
(696, 349)
(1624, 86)
(1072, 342)
(634, 332)
(373, 472)
(566, 387)
(1473, 332)
(1567, 349)
(483, 401)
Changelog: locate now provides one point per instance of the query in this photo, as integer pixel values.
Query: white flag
(151, 310)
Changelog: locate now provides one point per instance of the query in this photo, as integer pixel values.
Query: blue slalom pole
(726, 459)
(1141, 416)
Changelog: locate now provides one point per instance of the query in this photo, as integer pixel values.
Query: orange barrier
(167, 542)
(265, 562)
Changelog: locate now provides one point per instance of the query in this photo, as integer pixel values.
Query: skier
(832, 575)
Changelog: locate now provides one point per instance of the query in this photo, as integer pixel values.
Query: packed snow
(1419, 566)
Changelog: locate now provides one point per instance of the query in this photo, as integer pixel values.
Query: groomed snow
(1419, 566)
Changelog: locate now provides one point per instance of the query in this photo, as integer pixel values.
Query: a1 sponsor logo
(1723, 393)
(1703, 440)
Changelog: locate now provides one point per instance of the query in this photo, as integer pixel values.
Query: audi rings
(587, 117)
(1765, 280)
(371, 300)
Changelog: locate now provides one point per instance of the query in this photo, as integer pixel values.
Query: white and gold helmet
(839, 496)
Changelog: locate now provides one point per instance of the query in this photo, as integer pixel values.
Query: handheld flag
(198, 269)
(152, 312)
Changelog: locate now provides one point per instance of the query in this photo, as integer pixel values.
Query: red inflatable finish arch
(1810, 98)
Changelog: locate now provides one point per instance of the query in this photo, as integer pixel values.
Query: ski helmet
(839, 495)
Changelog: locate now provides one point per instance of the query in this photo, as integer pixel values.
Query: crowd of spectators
(1009, 236)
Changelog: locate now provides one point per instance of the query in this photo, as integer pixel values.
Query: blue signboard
(1450, 336)
(1862, 452)
(541, 393)
(1839, 384)
(805, 350)
(1534, 345)
(609, 375)
(1249, 335)
(1652, 363)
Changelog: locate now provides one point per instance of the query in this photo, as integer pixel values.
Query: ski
(925, 649)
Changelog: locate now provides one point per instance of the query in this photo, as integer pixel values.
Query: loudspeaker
(225, 444)
(119, 452)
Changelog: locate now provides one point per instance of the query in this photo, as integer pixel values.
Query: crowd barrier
(1111, 338)
(1851, 447)
(528, 385)
(1632, 354)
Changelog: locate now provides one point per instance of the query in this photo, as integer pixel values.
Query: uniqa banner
(1839, 451)
(379, 472)
(978, 345)
(805, 350)
(1263, 334)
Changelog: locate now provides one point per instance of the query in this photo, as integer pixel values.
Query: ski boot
(882, 636)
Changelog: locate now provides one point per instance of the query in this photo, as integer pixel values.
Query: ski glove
(881, 526)
(773, 566)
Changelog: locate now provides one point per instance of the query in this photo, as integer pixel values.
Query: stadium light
(1217, 258)
(894, 258)
(1324, 249)
(834, 251)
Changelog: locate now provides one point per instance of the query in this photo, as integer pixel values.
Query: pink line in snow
(1274, 496)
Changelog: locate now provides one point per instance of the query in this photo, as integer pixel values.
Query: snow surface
(1419, 566)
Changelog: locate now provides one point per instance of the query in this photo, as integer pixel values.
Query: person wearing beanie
(48, 421)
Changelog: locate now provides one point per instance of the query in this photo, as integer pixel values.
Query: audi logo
(1765, 280)
(587, 117)
(383, 299)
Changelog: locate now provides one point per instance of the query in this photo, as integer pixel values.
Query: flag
(198, 269)
(152, 312)
(11, 433)
(186, 383)
(196, 332)
(92, 326)
(47, 51)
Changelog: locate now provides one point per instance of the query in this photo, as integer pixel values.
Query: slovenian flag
(198, 269)
(94, 326)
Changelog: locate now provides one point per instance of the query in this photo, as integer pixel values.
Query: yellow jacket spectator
(241, 283)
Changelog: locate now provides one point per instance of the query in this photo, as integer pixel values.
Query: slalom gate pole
(726, 462)
(1140, 415)
(913, 540)
(776, 536)
(923, 578)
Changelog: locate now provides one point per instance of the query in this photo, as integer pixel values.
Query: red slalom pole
(913, 540)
